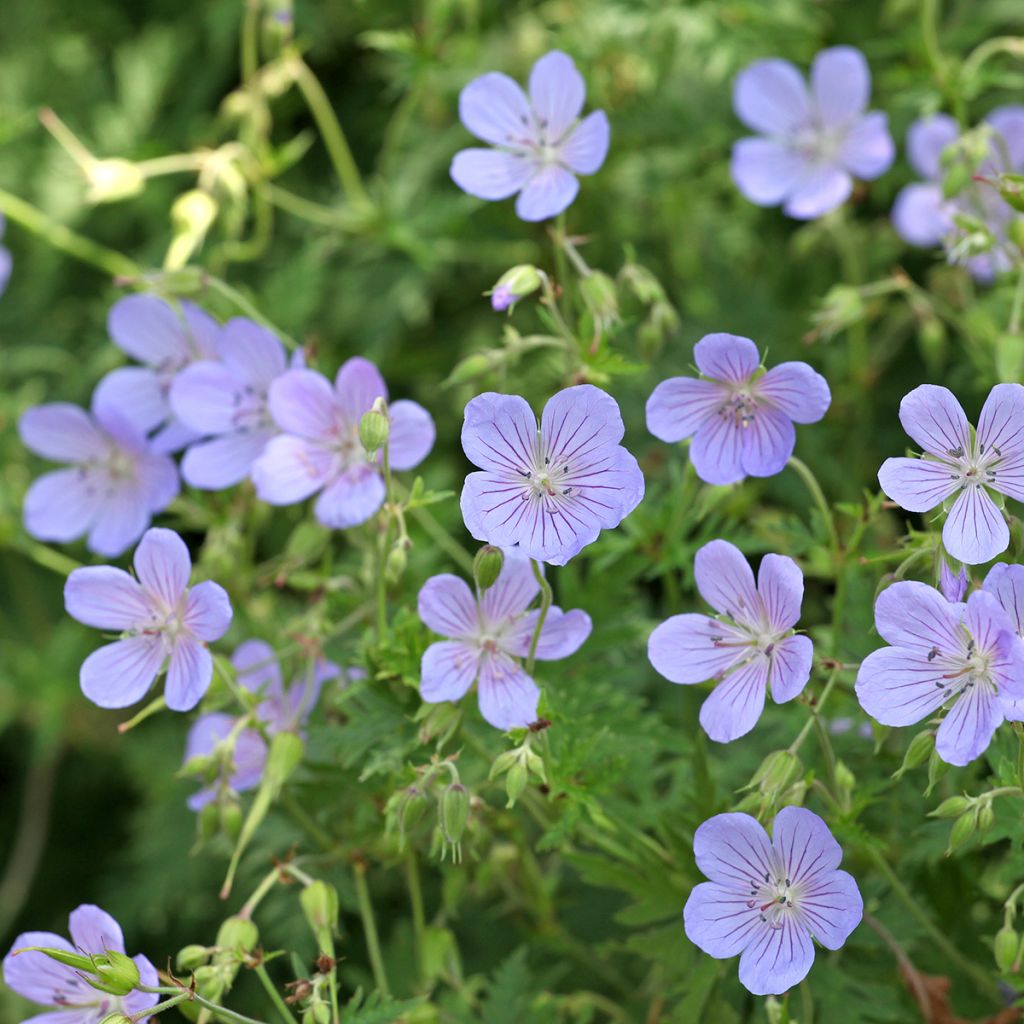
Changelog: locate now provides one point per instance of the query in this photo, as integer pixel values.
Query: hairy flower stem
(545, 604)
(220, 1012)
(275, 997)
(160, 1007)
(384, 526)
(380, 977)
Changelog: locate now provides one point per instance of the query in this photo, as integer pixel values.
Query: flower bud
(473, 366)
(601, 296)
(515, 783)
(845, 779)
(776, 772)
(454, 812)
(193, 212)
(320, 905)
(1011, 188)
(963, 829)
(411, 806)
(374, 429)
(284, 756)
(986, 816)
(513, 285)
(210, 982)
(112, 180)
(318, 1013)
(937, 769)
(116, 1018)
(1006, 948)
(487, 566)
(116, 973)
(957, 178)
(191, 957)
(238, 934)
(952, 807)
(396, 562)
(230, 814)
(920, 749)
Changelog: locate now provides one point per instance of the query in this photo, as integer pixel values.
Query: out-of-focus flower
(747, 647)
(114, 485)
(812, 144)
(960, 461)
(550, 491)
(488, 634)
(6, 262)
(741, 419)
(161, 619)
(320, 449)
(513, 285)
(540, 145)
(767, 898)
(40, 979)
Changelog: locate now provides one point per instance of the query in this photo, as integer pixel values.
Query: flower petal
(562, 635)
(62, 505)
(358, 384)
(726, 357)
(351, 498)
(688, 649)
(896, 686)
(500, 433)
(252, 352)
(120, 673)
(770, 96)
(547, 193)
(105, 598)
(917, 485)
(716, 451)
(926, 140)
(976, 530)
(223, 461)
(780, 584)
(934, 418)
(679, 406)
(448, 670)
(36, 977)
(820, 191)
(62, 432)
(121, 519)
(512, 592)
(1006, 583)
(586, 148)
(149, 330)
(719, 920)
(868, 150)
(841, 84)
(507, 695)
(578, 422)
(157, 482)
(446, 605)
(776, 959)
(136, 392)
(954, 587)
(912, 614)
(290, 469)
(412, 434)
(94, 931)
(790, 667)
(257, 667)
(968, 727)
(733, 850)
(490, 173)
(920, 215)
(205, 396)
(207, 611)
(726, 581)
(163, 565)
(189, 672)
(1001, 427)
(797, 390)
(735, 704)
(832, 908)
(768, 441)
(494, 108)
(765, 171)
(557, 92)
(806, 848)
(303, 402)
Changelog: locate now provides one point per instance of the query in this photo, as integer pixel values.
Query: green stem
(244, 306)
(940, 68)
(218, 1011)
(45, 556)
(380, 977)
(275, 997)
(155, 705)
(268, 883)
(305, 209)
(809, 724)
(249, 43)
(60, 237)
(160, 1007)
(419, 922)
(384, 526)
(545, 604)
(1018, 304)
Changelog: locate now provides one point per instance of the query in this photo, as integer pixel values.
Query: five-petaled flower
(45, 981)
(967, 656)
(741, 419)
(540, 143)
(550, 491)
(116, 481)
(489, 633)
(963, 462)
(162, 620)
(747, 647)
(924, 216)
(320, 448)
(767, 898)
(813, 143)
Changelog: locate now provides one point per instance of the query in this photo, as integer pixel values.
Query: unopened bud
(468, 369)
(845, 779)
(600, 295)
(191, 957)
(956, 180)
(952, 807)
(515, 782)
(986, 816)
(1011, 188)
(238, 934)
(953, 585)
(320, 905)
(116, 973)
(374, 429)
(937, 769)
(963, 829)
(487, 566)
(230, 818)
(116, 1018)
(776, 772)
(1006, 948)
(284, 756)
(454, 812)
(411, 807)
(513, 285)
(193, 212)
(112, 180)
(396, 562)
(920, 749)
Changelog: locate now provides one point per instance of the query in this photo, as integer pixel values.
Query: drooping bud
(116, 973)
(454, 815)
(601, 297)
(284, 756)
(487, 566)
(776, 772)
(921, 748)
(112, 180)
(937, 769)
(231, 820)
(396, 562)
(116, 1018)
(191, 957)
(986, 816)
(1011, 188)
(320, 905)
(374, 430)
(963, 829)
(513, 285)
(192, 215)
(952, 807)
(238, 934)
(1006, 948)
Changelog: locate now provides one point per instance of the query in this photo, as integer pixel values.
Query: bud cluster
(407, 808)
(517, 765)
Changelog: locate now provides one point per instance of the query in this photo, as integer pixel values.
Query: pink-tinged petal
(156, 482)
(79, 1015)
(94, 931)
(688, 648)
(770, 96)
(412, 434)
(986, 621)
(120, 673)
(586, 148)
(204, 396)
(776, 959)
(447, 606)
(512, 592)
(562, 635)
(207, 611)
(969, 725)
(790, 667)
(149, 330)
(579, 421)
(163, 565)
(494, 108)
(172, 437)
(717, 451)
(976, 530)
(820, 192)
(358, 385)
(1006, 584)
(831, 908)
(490, 173)
(926, 141)
(257, 667)
(733, 850)
(868, 150)
(807, 849)
(497, 509)
(1001, 429)
(202, 332)
(500, 433)
(780, 584)
(122, 430)
(841, 84)
(797, 390)
(351, 498)
(121, 519)
(768, 441)
(189, 672)
(934, 418)
(223, 461)
(896, 686)
(36, 977)
(447, 671)
(765, 170)
(290, 469)
(1008, 476)
(735, 704)
(726, 581)
(303, 402)
(62, 432)
(726, 357)
(253, 353)
(912, 614)
(917, 485)
(679, 406)
(719, 919)
(61, 506)
(507, 695)
(556, 94)
(105, 598)
(920, 215)
(136, 392)
(547, 193)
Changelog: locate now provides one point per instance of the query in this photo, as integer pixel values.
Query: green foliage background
(565, 908)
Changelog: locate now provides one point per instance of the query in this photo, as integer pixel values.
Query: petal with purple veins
(500, 434)
(719, 920)
(1001, 431)
(547, 193)
(896, 686)
(933, 417)
(975, 530)
(726, 357)
(790, 667)
(806, 848)
(735, 704)
(556, 92)
(448, 670)
(716, 451)
(768, 441)
(733, 850)
(494, 108)
(105, 598)
(679, 406)
(446, 605)
(917, 485)
(34, 976)
(831, 908)
(1006, 583)
(507, 696)
(207, 611)
(776, 959)
(120, 673)
(969, 725)
(586, 148)
(726, 581)
(511, 594)
(189, 671)
(94, 931)
(163, 565)
(693, 648)
(912, 614)
(780, 584)
(561, 636)
(578, 422)
(796, 390)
